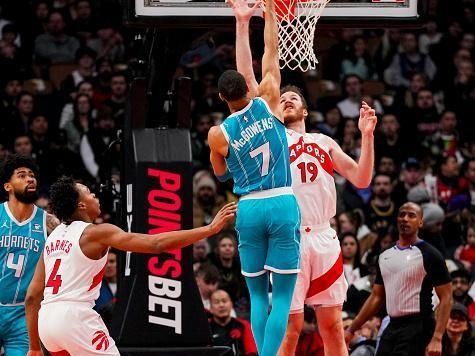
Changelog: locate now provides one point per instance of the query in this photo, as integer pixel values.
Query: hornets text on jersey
(21, 244)
(258, 157)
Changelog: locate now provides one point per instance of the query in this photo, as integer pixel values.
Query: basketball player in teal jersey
(251, 148)
(23, 231)
(321, 282)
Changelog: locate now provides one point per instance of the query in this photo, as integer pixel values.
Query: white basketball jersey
(70, 276)
(312, 177)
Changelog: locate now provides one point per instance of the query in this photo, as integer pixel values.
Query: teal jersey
(258, 156)
(21, 245)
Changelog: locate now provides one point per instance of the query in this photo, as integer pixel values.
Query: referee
(407, 273)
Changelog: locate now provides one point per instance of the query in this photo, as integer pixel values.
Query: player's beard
(25, 196)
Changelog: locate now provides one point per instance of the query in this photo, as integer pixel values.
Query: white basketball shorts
(74, 328)
(321, 281)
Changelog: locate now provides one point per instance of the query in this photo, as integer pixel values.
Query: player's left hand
(226, 213)
(241, 9)
(434, 348)
(368, 119)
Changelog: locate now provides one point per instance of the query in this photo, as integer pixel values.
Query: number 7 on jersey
(264, 150)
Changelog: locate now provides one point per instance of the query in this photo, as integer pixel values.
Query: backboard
(180, 13)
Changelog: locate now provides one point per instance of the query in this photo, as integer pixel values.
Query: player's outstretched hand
(242, 11)
(34, 353)
(226, 213)
(368, 119)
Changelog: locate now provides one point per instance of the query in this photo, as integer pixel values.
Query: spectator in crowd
(407, 62)
(350, 251)
(201, 250)
(388, 140)
(55, 46)
(469, 173)
(12, 88)
(349, 107)
(116, 101)
(199, 142)
(423, 119)
(358, 60)
(206, 93)
(85, 70)
(445, 140)
(430, 37)
(40, 140)
(95, 144)
(466, 253)
(351, 140)
(67, 113)
(20, 120)
(12, 58)
(331, 126)
(226, 259)
(457, 340)
(339, 51)
(412, 328)
(407, 98)
(385, 240)
(207, 279)
(206, 201)
(386, 165)
(102, 82)
(460, 288)
(431, 230)
(84, 25)
(381, 211)
(227, 330)
(449, 184)
(106, 300)
(109, 42)
(387, 49)
(39, 23)
(81, 123)
(411, 176)
(22, 146)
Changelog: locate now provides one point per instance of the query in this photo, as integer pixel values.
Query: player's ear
(305, 113)
(81, 205)
(7, 186)
(221, 97)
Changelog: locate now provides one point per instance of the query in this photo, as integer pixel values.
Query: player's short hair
(232, 85)
(294, 89)
(13, 162)
(64, 198)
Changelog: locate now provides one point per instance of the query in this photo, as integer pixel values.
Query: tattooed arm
(51, 222)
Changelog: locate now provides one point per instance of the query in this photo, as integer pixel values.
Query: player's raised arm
(269, 88)
(243, 13)
(359, 174)
(33, 299)
(110, 235)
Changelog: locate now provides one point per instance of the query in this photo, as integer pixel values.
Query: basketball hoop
(297, 20)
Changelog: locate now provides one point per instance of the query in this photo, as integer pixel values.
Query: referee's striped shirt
(409, 274)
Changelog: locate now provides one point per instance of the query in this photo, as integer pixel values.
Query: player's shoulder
(215, 133)
(321, 139)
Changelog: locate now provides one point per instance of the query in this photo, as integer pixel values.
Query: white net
(297, 20)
